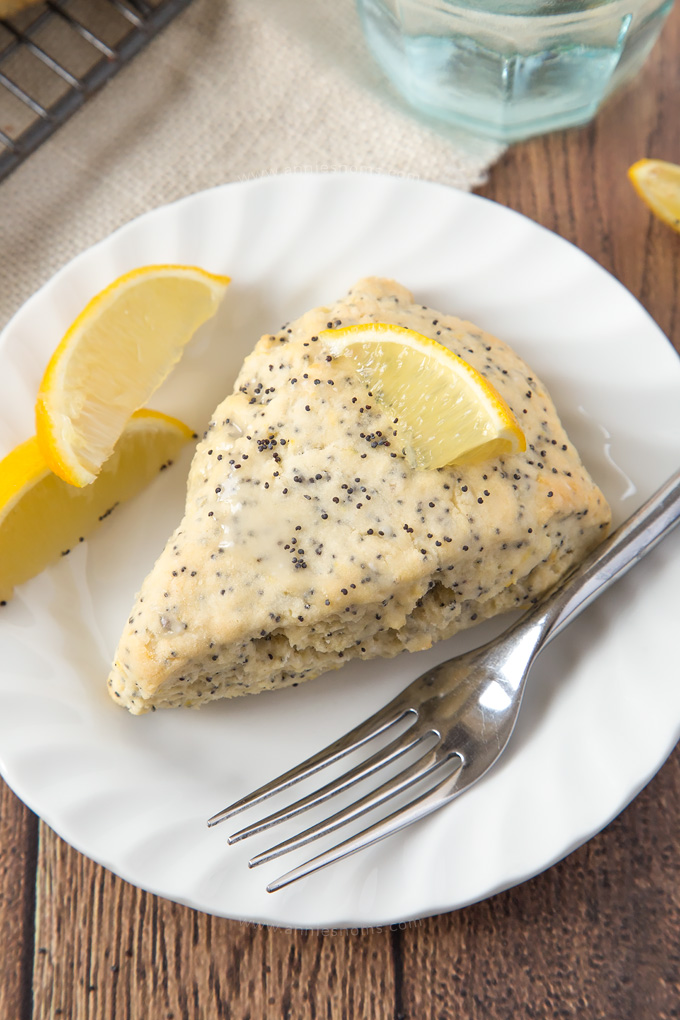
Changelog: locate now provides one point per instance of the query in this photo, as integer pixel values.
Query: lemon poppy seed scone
(310, 539)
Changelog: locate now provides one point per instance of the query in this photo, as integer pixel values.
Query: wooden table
(596, 936)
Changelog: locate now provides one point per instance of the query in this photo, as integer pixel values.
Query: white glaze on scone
(308, 539)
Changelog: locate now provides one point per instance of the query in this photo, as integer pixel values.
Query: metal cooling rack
(54, 55)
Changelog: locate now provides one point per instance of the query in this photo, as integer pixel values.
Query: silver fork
(467, 707)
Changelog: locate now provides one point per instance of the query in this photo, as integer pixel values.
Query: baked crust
(308, 539)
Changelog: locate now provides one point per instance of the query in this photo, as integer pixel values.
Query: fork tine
(394, 712)
(425, 804)
(408, 777)
(401, 745)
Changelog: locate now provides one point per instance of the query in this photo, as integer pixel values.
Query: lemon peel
(446, 412)
(658, 185)
(42, 517)
(112, 358)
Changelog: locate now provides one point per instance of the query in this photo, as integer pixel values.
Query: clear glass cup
(509, 69)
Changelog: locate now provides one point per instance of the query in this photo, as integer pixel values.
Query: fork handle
(612, 559)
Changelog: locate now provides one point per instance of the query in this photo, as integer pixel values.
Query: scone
(307, 541)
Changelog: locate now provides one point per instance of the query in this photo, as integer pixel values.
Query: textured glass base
(507, 77)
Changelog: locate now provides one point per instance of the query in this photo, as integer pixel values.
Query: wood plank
(596, 936)
(106, 949)
(18, 852)
(576, 183)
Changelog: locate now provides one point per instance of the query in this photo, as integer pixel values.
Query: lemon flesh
(658, 185)
(42, 517)
(114, 356)
(445, 412)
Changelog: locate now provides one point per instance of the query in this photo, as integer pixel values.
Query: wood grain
(18, 852)
(104, 948)
(575, 183)
(597, 936)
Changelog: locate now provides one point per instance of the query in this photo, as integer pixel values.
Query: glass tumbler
(509, 69)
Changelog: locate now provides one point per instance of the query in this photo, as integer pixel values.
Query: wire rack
(54, 55)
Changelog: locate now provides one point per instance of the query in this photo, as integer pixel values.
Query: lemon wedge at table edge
(42, 517)
(658, 185)
(445, 411)
(112, 358)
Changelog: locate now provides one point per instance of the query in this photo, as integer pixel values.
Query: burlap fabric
(231, 89)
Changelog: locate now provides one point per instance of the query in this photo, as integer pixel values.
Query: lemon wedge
(658, 185)
(43, 517)
(445, 411)
(113, 357)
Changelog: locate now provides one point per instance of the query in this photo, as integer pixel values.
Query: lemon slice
(43, 517)
(113, 357)
(658, 185)
(446, 411)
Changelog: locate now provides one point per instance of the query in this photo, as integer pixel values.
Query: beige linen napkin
(231, 89)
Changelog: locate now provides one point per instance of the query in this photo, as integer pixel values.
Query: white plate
(603, 707)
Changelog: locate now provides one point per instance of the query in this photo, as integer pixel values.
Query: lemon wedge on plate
(658, 185)
(445, 411)
(42, 517)
(113, 357)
